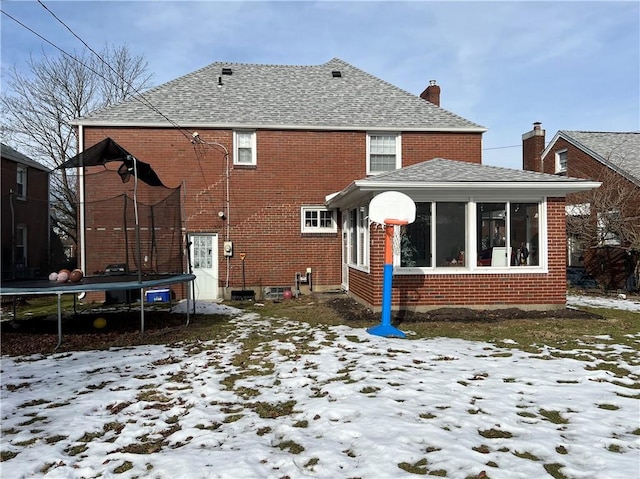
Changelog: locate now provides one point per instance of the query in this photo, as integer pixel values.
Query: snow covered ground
(314, 402)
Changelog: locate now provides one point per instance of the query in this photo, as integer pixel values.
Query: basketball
(64, 270)
(63, 276)
(99, 323)
(53, 276)
(287, 294)
(76, 275)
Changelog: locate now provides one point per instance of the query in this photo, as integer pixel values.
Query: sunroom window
(472, 236)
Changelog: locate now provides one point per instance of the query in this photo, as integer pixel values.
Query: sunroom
(483, 237)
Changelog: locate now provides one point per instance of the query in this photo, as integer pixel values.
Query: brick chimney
(432, 93)
(532, 148)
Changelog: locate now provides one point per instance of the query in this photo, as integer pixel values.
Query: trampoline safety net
(110, 226)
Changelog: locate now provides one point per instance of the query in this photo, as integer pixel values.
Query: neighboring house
(25, 216)
(308, 147)
(612, 158)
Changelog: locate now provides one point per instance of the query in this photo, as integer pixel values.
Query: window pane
(244, 155)
(416, 240)
(524, 234)
(382, 153)
(311, 219)
(491, 234)
(353, 226)
(450, 234)
(363, 241)
(326, 219)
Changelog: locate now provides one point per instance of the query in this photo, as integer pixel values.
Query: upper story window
(317, 219)
(21, 182)
(244, 148)
(383, 152)
(561, 161)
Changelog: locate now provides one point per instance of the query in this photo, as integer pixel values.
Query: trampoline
(95, 283)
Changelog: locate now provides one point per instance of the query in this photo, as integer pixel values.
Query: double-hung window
(317, 219)
(383, 152)
(244, 148)
(561, 162)
(21, 182)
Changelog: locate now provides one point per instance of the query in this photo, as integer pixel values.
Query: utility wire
(501, 147)
(140, 97)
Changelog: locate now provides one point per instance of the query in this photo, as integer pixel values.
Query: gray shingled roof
(440, 170)
(282, 96)
(7, 152)
(443, 178)
(618, 150)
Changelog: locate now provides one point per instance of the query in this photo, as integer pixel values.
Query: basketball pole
(385, 328)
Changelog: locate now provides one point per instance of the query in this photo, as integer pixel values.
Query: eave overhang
(360, 191)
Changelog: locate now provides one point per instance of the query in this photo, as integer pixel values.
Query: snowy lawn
(282, 399)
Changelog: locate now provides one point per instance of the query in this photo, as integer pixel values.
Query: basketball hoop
(393, 210)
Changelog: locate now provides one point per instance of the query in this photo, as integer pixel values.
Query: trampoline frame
(96, 283)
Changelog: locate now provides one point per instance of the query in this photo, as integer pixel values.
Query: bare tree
(606, 221)
(39, 105)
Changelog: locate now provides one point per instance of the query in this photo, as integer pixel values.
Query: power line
(146, 102)
(501, 147)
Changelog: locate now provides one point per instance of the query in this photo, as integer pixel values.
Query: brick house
(278, 165)
(612, 158)
(25, 216)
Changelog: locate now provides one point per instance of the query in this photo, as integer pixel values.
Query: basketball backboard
(392, 205)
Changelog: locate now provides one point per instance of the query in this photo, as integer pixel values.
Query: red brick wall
(531, 290)
(294, 168)
(33, 212)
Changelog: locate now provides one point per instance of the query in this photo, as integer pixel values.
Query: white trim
(23, 172)
(269, 126)
(558, 166)
(304, 228)
(236, 156)
(398, 149)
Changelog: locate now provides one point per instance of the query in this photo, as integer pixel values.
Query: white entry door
(204, 260)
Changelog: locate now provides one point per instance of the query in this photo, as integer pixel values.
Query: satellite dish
(392, 207)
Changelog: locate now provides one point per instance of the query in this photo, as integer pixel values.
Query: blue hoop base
(387, 331)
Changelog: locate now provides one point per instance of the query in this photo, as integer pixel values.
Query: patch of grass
(312, 462)
(124, 467)
(527, 414)
(495, 434)
(554, 470)
(7, 455)
(301, 424)
(263, 430)
(369, 390)
(292, 446)
(614, 448)
(233, 418)
(33, 420)
(418, 467)
(55, 439)
(526, 455)
(562, 450)
(26, 443)
(553, 416)
(75, 450)
(427, 415)
(35, 402)
(273, 410)
(609, 407)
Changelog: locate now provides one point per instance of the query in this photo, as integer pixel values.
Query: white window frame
(21, 181)
(471, 240)
(398, 152)
(21, 240)
(359, 235)
(236, 148)
(560, 168)
(316, 211)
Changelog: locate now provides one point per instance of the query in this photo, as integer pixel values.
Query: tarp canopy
(108, 150)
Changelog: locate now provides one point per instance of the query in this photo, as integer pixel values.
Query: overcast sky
(571, 65)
